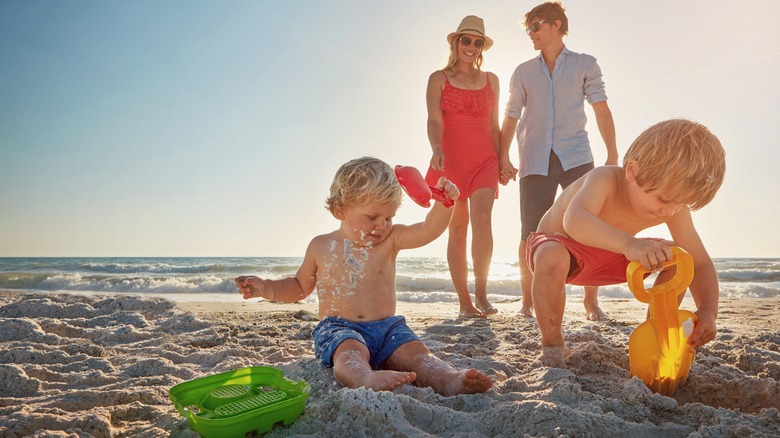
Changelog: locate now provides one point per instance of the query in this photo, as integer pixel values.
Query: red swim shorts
(590, 266)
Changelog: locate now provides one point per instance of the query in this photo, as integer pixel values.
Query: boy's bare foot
(469, 381)
(388, 380)
(486, 308)
(527, 311)
(554, 356)
(470, 312)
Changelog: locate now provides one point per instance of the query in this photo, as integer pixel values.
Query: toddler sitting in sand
(353, 269)
(587, 237)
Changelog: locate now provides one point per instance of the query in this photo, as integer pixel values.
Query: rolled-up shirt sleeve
(516, 103)
(594, 84)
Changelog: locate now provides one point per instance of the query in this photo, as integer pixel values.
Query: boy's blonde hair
(361, 181)
(681, 158)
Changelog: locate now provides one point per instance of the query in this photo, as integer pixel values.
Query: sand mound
(75, 365)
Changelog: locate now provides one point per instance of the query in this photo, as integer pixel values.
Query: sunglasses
(534, 27)
(466, 41)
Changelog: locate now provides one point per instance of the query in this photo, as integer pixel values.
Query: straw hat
(471, 25)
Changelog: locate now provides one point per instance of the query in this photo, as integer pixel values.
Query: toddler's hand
(449, 188)
(249, 286)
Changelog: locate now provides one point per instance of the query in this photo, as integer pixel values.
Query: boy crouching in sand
(353, 269)
(587, 236)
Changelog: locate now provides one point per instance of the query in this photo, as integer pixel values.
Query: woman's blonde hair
(453, 60)
(681, 158)
(361, 181)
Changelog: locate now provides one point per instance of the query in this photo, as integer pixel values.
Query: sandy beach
(74, 365)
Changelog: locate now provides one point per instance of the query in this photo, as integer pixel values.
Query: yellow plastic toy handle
(683, 262)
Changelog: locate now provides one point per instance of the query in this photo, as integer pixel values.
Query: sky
(203, 128)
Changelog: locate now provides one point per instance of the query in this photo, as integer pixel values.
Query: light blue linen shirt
(551, 110)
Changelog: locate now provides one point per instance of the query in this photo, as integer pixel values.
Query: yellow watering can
(658, 351)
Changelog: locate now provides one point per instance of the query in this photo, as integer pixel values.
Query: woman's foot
(470, 312)
(487, 309)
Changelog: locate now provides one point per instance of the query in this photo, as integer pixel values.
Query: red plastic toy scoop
(415, 186)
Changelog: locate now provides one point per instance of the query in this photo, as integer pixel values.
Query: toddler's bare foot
(469, 381)
(470, 312)
(554, 356)
(388, 380)
(527, 311)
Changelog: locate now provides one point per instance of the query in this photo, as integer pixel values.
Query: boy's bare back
(604, 193)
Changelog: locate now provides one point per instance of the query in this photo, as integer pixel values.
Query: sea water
(418, 279)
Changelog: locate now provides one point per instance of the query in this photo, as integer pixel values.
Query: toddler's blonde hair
(361, 181)
(681, 158)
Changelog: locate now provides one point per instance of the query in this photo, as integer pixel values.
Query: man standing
(547, 96)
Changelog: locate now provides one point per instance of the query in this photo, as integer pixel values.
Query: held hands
(506, 171)
(449, 188)
(253, 287)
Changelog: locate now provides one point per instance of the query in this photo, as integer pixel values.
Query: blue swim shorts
(381, 338)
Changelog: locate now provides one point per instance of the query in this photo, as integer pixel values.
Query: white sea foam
(418, 279)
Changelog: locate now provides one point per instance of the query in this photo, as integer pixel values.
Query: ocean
(418, 279)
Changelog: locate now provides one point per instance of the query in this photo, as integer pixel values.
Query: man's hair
(361, 181)
(681, 158)
(548, 12)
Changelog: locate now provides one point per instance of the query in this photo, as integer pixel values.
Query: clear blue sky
(188, 128)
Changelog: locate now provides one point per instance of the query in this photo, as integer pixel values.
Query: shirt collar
(565, 51)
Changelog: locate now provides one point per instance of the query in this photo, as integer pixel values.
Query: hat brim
(488, 40)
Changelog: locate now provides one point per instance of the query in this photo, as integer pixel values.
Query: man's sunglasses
(534, 27)
(466, 41)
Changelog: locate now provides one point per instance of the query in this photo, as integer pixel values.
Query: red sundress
(470, 158)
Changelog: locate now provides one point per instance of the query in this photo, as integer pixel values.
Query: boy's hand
(449, 188)
(252, 287)
(704, 331)
(650, 253)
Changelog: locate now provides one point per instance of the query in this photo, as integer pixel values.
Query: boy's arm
(705, 289)
(436, 221)
(288, 290)
(582, 223)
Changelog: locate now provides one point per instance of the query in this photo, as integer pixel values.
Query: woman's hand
(506, 171)
(437, 161)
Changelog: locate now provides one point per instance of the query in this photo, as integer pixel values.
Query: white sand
(102, 366)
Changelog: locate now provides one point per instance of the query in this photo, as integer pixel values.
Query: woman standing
(464, 134)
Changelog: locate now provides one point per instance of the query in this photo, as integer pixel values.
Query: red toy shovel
(415, 186)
